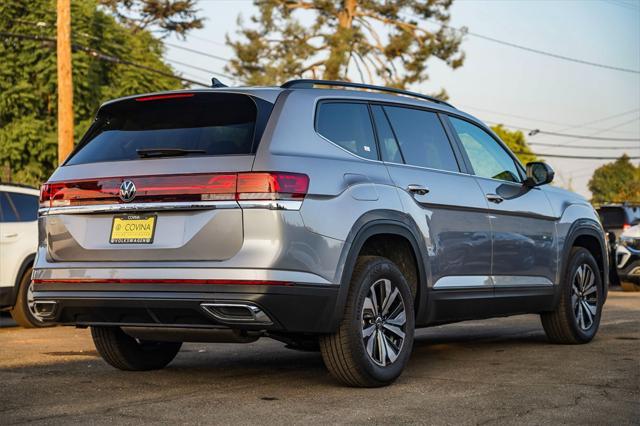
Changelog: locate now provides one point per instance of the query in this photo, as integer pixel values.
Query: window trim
(519, 167)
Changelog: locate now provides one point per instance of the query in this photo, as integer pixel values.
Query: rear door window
(422, 138)
(8, 211)
(195, 123)
(26, 205)
(348, 125)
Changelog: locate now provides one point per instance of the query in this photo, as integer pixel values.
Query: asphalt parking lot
(499, 371)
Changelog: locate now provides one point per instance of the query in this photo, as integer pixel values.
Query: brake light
(169, 96)
(178, 188)
(626, 226)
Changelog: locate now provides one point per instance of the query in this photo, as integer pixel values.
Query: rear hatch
(156, 179)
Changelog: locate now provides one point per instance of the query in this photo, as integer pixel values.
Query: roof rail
(309, 83)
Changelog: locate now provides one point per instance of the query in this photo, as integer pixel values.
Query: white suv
(18, 244)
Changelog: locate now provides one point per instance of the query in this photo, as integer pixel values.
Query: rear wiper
(167, 152)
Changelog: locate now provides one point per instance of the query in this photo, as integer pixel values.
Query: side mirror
(538, 173)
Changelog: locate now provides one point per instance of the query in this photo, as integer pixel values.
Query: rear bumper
(294, 308)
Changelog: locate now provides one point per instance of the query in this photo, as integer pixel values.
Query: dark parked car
(338, 219)
(615, 219)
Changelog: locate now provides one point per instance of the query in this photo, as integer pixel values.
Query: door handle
(417, 189)
(495, 198)
(13, 235)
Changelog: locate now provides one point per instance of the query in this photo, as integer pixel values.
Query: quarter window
(349, 126)
(487, 157)
(422, 138)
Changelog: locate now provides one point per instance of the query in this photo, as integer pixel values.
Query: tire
(23, 312)
(345, 353)
(577, 317)
(126, 353)
(629, 286)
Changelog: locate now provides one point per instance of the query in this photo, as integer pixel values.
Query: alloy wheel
(383, 322)
(584, 297)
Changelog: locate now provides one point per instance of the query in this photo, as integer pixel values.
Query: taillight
(178, 188)
(272, 186)
(626, 226)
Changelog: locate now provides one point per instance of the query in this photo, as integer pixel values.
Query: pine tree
(373, 40)
(167, 16)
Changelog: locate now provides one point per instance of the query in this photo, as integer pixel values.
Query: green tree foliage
(516, 142)
(169, 16)
(377, 39)
(618, 181)
(28, 79)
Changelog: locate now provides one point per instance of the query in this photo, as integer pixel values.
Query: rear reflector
(158, 281)
(178, 188)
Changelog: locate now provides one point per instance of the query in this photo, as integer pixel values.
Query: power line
(615, 126)
(582, 146)
(573, 157)
(533, 132)
(530, 49)
(622, 4)
(565, 125)
(102, 56)
(198, 52)
(184, 64)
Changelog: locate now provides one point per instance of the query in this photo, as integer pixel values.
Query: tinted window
(349, 126)
(612, 217)
(422, 139)
(388, 145)
(7, 210)
(210, 124)
(487, 157)
(26, 205)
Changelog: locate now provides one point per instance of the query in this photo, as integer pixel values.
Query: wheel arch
(587, 233)
(26, 264)
(372, 224)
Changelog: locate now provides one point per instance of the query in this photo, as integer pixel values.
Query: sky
(502, 84)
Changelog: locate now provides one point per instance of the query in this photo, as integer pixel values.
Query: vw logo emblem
(127, 191)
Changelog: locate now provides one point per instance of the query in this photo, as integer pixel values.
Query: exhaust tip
(45, 309)
(237, 313)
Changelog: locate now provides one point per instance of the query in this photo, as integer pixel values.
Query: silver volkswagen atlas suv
(327, 215)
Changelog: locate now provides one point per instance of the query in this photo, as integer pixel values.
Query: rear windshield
(201, 124)
(612, 217)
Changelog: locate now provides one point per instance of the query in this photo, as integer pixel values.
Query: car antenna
(217, 83)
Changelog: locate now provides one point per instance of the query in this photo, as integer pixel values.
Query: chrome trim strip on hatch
(117, 208)
(188, 205)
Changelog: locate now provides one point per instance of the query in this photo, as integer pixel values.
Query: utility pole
(65, 84)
